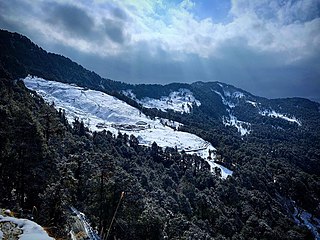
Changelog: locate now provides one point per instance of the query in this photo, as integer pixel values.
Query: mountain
(20, 57)
(100, 111)
(65, 142)
(219, 101)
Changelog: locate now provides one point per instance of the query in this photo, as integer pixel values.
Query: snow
(90, 233)
(255, 104)
(171, 123)
(233, 95)
(179, 101)
(224, 101)
(272, 113)
(225, 172)
(237, 95)
(243, 127)
(220, 85)
(230, 99)
(30, 229)
(100, 111)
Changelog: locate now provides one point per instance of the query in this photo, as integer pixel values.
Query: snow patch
(225, 172)
(85, 225)
(170, 123)
(238, 95)
(224, 101)
(255, 104)
(229, 99)
(274, 114)
(243, 127)
(100, 111)
(233, 95)
(220, 85)
(179, 101)
(30, 230)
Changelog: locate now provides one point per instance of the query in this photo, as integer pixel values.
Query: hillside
(20, 57)
(219, 102)
(51, 160)
(100, 111)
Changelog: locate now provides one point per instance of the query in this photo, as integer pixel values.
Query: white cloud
(290, 27)
(259, 37)
(187, 4)
(266, 26)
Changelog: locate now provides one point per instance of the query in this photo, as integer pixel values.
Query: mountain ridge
(23, 68)
(225, 106)
(221, 103)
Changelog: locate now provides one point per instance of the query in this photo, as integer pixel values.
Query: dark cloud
(264, 73)
(75, 22)
(11, 13)
(78, 23)
(72, 19)
(240, 66)
(119, 13)
(13, 8)
(114, 30)
(6, 24)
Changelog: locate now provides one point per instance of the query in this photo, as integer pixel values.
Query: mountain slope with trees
(50, 164)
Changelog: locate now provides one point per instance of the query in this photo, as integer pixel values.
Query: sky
(270, 48)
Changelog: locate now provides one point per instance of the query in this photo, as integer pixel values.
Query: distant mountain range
(226, 104)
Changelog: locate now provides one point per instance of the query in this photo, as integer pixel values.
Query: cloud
(270, 26)
(291, 27)
(72, 19)
(281, 12)
(118, 13)
(114, 30)
(261, 45)
(77, 23)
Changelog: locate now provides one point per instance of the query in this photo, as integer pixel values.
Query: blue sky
(267, 47)
(217, 10)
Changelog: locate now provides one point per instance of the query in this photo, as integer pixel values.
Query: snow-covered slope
(230, 96)
(274, 114)
(243, 127)
(233, 98)
(230, 100)
(100, 111)
(232, 106)
(179, 101)
(224, 101)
